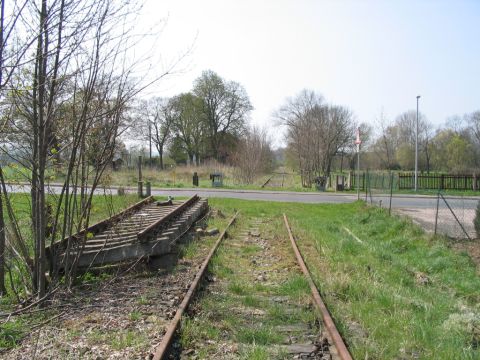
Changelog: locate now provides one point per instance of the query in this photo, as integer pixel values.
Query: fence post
(391, 195)
(366, 183)
(140, 182)
(455, 216)
(442, 182)
(436, 214)
(474, 182)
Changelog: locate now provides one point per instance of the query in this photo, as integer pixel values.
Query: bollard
(140, 189)
(148, 189)
(195, 179)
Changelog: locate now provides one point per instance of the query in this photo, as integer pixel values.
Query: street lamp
(416, 150)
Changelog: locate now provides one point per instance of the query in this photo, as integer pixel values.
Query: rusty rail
(342, 349)
(153, 227)
(162, 348)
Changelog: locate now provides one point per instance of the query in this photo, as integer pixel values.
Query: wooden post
(140, 168)
(140, 182)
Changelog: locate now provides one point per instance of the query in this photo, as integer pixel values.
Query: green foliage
(11, 333)
(476, 221)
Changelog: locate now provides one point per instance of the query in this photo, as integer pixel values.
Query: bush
(476, 222)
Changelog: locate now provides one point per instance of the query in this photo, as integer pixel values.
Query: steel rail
(153, 227)
(162, 348)
(342, 349)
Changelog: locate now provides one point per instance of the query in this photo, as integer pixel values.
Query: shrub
(476, 222)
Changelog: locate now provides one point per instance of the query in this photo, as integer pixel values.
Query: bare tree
(293, 115)
(154, 123)
(68, 104)
(317, 132)
(253, 156)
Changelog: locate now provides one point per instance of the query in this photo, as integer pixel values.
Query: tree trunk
(3, 290)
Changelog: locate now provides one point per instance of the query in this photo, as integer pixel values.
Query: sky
(370, 56)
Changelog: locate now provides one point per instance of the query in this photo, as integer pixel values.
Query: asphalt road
(399, 201)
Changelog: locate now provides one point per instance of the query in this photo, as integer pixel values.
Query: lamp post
(416, 150)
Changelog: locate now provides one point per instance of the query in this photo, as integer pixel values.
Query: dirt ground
(120, 317)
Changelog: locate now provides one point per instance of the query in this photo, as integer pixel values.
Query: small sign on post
(358, 141)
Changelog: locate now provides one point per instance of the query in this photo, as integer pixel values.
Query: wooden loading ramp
(145, 229)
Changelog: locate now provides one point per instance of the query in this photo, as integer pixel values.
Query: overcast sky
(366, 55)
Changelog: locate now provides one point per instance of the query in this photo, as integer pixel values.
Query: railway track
(147, 228)
(277, 179)
(333, 334)
(305, 340)
(151, 307)
(131, 311)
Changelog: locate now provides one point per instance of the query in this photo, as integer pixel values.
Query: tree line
(453, 147)
(320, 139)
(208, 122)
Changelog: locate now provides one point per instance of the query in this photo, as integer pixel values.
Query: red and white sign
(358, 141)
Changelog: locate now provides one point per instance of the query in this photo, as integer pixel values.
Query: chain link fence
(450, 215)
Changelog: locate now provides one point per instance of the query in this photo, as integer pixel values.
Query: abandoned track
(126, 317)
(163, 348)
(275, 180)
(147, 228)
(328, 322)
(257, 301)
(137, 315)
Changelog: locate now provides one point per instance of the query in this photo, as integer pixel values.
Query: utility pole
(416, 150)
(358, 142)
(150, 141)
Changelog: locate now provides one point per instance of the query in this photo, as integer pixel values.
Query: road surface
(398, 201)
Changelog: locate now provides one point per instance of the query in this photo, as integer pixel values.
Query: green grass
(102, 207)
(258, 336)
(118, 340)
(11, 333)
(373, 288)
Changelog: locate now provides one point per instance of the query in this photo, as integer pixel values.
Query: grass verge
(396, 293)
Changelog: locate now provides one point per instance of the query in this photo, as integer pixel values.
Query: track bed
(257, 304)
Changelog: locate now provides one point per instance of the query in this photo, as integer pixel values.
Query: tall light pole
(416, 150)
